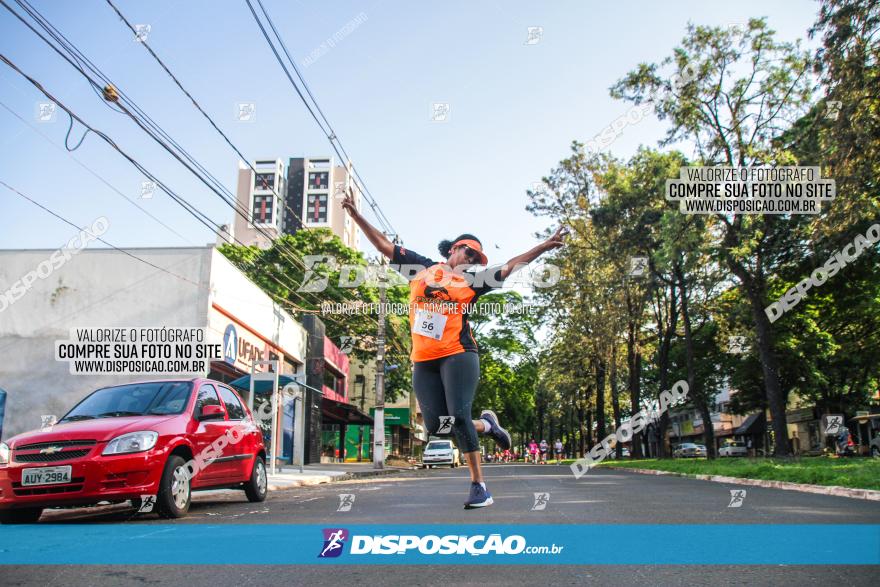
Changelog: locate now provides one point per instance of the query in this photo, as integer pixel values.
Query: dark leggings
(446, 387)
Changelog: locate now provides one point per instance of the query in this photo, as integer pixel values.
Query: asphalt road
(436, 496)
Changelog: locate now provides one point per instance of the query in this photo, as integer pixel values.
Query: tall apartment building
(307, 194)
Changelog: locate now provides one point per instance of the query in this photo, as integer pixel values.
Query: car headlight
(4, 453)
(131, 442)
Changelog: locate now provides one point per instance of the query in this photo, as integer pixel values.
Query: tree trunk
(695, 390)
(668, 331)
(589, 430)
(635, 394)
(541, 411)
(662, 428)
(581, 415)
(615, 399)
(755, 287)
(708, 428)
(634, 362)
(600, 399)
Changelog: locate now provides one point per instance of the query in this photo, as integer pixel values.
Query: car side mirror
(212, 412)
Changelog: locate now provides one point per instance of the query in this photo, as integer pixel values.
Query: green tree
(744, 89)
(284, 277)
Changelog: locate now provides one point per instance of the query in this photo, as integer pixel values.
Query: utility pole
(379, 414)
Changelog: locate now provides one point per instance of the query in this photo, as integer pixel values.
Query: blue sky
(515, 107)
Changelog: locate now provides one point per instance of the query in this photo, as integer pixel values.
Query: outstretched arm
(374, 235)
(554, 242)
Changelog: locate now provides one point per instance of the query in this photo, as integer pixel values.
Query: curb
(319, 479)
(835, 490)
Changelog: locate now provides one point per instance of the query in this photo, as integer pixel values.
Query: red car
(154, 441)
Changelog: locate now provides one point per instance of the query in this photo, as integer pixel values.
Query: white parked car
(733, 449)
(440, 452)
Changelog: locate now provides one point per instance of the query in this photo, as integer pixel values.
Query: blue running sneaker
(501, 436)
(479, 497)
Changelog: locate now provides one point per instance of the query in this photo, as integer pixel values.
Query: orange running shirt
(439, 303)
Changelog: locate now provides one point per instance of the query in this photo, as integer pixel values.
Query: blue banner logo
(334, 540)
(230, 344)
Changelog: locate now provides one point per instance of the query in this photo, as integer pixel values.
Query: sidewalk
(289, 477)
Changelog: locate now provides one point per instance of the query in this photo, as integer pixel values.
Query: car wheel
(21, 516)
(175, 494)
(258, 487)
(875, 452)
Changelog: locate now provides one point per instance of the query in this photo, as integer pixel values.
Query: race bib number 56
(430, 324)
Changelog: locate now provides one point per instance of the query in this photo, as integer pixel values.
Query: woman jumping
(446, 366)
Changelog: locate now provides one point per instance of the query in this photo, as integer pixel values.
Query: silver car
(733, 449)
(689, 450)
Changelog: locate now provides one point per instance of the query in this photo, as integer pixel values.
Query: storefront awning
(335, 412)
(752, 425)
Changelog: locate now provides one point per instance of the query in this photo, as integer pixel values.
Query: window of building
(334, 381)
(330, 379)
(262, 213)
(264, 181)
(318, 180)
(319, 164)
(316, 208)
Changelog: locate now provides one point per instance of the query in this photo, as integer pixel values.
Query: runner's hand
(557, 240)
(348, 203)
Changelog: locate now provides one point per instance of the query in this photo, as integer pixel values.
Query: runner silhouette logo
(334, 540)
(446, 423)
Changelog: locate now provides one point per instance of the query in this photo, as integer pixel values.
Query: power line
(143, 120)
(92, 171)
(200, 216)
(196, 104)
(63, 219)
(192, 210)
(77, 59)
(201, 110)
(331, 135)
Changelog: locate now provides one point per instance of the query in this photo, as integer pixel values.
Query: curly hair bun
(444, 247)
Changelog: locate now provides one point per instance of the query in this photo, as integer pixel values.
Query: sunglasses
(470, 253)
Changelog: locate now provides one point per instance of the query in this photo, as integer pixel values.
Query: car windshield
(688, 446)
(137, 399)
(438, 445)
(737, 444)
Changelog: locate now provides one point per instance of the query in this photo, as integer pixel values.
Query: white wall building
(196, 287)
